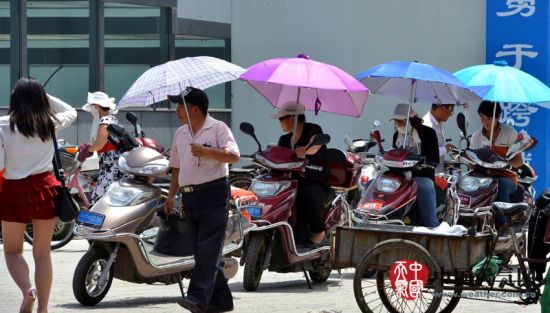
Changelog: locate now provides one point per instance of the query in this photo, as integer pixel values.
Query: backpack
(539, 234)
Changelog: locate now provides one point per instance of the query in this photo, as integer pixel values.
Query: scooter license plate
(91, 219)
(371, 206)
(254, 211)
(464, 200)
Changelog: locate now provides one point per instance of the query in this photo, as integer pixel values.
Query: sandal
(28, 301)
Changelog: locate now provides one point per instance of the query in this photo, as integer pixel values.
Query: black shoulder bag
(67, 207)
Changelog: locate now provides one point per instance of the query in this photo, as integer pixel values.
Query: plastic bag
(545, 298)
(492, 270)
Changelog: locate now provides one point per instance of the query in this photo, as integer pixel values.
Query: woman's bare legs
(42, 238)
(12, 233)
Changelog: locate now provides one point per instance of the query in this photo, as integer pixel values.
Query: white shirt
(193, 170)
(23, 156)
(430, 121)
(506, 137)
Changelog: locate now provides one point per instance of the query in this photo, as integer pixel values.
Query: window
(132, 44)
(5, 88)
(57, 43)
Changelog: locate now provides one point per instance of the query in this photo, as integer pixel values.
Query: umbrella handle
(295, 126)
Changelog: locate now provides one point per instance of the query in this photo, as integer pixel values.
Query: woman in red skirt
(29, 189)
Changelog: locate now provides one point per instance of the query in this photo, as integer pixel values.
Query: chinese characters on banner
(408, 278)
(510, 37)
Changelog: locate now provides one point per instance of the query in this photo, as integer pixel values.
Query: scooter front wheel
(254, 262)
(86, 287)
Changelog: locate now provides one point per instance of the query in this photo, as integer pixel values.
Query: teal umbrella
(509, 84)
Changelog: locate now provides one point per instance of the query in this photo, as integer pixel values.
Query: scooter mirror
(132, 118)
(461, 122)
(247, 128)
(377, 123)
(320, 139)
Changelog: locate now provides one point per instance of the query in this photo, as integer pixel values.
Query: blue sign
(518, 32)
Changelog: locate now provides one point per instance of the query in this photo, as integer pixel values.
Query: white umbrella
(172, 77)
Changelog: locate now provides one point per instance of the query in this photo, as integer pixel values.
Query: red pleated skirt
(34, 197)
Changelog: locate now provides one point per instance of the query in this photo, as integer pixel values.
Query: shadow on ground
(124, 303)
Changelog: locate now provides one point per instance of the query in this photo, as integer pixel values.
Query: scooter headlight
(387, 185)
(118, 195)
(267, 189)
(472, 184)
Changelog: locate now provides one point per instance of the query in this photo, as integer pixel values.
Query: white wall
(353, 35)
(205, 10)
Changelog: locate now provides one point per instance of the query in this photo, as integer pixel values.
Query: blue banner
(518, 32)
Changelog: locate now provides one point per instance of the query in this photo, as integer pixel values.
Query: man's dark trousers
(207, 213)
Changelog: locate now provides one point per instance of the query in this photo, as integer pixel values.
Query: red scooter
(391, 196)
(271, 245)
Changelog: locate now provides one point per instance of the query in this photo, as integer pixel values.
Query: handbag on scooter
(173, 237)
(67, 207)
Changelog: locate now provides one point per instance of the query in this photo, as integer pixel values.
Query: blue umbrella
(418, 82)
(509, 84)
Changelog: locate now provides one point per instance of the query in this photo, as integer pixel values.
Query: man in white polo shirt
(435, 118)
(201, 151)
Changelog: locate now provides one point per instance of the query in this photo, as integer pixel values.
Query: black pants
(309, 206)
(207, 213)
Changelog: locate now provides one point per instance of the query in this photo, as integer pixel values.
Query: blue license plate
(91, 219)
(254, 211)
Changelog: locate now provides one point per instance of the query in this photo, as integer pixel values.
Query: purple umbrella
(318, 86)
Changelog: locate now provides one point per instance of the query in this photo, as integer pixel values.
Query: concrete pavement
(279, 293)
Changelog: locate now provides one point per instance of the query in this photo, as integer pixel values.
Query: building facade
(76, 47)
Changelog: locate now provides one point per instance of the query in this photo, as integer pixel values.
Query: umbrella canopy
(418, 82)
(318, 86)
(172, 77)
(509, 84)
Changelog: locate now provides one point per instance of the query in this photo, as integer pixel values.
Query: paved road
(282, 293)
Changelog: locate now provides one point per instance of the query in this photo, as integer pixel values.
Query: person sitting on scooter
(503, 137)
(313, 188)
(439, 114)
(421, 140)
(102, 109)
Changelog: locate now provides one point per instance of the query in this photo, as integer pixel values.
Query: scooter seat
(241, 170)
(509, 209)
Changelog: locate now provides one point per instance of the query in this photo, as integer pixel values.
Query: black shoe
(190, 305)
(219, 309)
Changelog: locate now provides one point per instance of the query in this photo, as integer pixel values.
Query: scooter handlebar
(317, 168)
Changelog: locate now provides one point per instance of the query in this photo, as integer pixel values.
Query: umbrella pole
(411, 101)
(493, 124)
(295, 126)
(188, 120)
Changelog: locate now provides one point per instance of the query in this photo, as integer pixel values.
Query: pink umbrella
(318, 86)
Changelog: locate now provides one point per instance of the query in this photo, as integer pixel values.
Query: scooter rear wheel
(254, 262)
(86, 276)
(62, 234)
